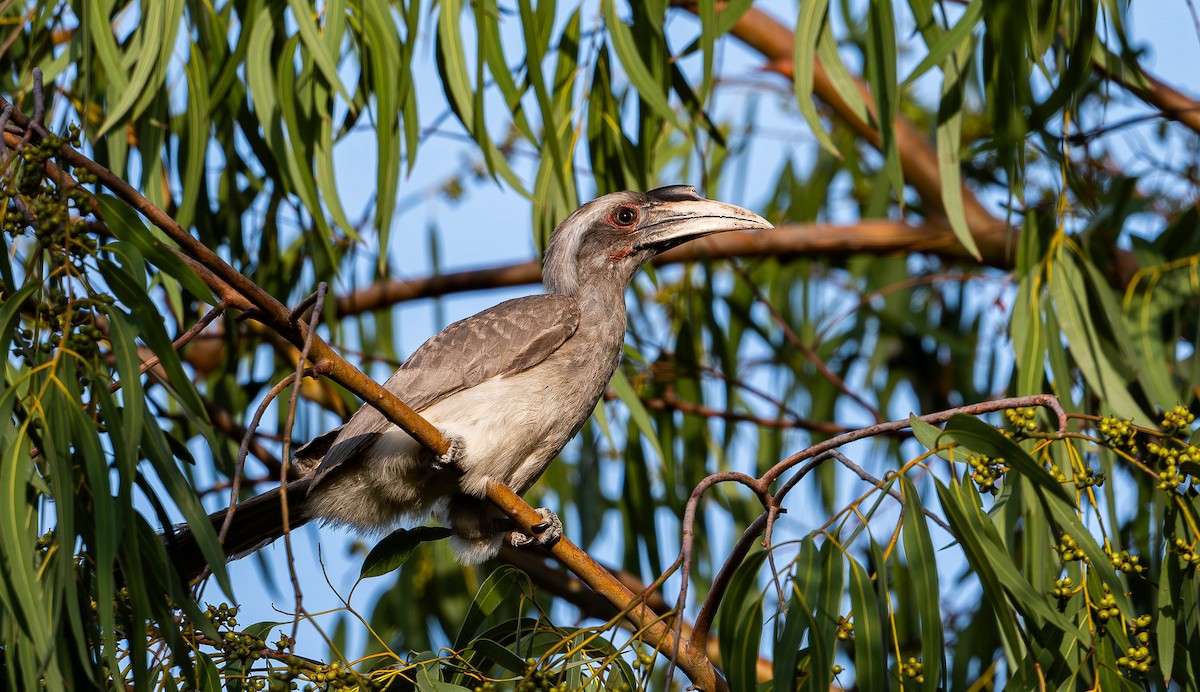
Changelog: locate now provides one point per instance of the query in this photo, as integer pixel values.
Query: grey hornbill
(508, 386)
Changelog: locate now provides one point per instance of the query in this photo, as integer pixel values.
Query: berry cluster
(1137, 658)
(55, 318)
(1106, 608)
(1022, 419)
(39, 204)
(1187, 551)
(1069, 550)
(1089, 478)
(845, 629)
(1169, 453)
(1116, 432)
(58, 321)
(1169, 460)
(1063, 590)
(986, 472)
(913, 669)
(536, 680)
(1122, 561)
(1178, 419)
(1055, 473)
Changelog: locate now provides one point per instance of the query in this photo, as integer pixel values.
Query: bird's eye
(625, 217)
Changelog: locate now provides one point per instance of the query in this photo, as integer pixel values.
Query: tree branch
(872, 236)
(267, 309)
(772, 504)
(1174, 104)
(693, 660)
(995, 239)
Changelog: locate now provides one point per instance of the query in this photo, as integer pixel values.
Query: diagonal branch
(267, 309)
(693, 660)
(918, 159)
(270, 312)
(1174, 104)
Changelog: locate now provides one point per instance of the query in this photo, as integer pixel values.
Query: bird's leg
(546, 532)
(453, 455)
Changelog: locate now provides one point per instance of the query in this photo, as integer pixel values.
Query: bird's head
(611, 237)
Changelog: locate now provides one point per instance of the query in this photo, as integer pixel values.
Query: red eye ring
(624, 217)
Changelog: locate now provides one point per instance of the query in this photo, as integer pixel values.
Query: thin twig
(243, 450)
(699, 668)
(815, 456)
(179, 343)
(720, 583)
(794, 341)
(317, 300)
(862, 473)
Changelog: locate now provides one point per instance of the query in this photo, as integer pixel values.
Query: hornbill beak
(676, 214)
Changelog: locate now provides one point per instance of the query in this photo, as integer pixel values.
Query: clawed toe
(452, 456)
(545, 532)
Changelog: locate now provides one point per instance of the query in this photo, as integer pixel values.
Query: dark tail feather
(256, 523)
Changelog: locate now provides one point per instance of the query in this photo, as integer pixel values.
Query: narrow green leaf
(928, 435)
(980, 437)
(870, 656)
(155, 43)
(125, 223)
(389, 67)
(427, 680)
(923, 565)
(559, 160)
(492, 593)
(395, 549)
(1069, 294)
(948, 42)
(828, 600)
(637, 410)
(317, 49)
(648, 88)
(809, 24)
(193, 141)
(949, 140)
(456, 83)
(17, 524)
(124, 345)
(707, 11)
(730, 13)
(497, 654)
(97, 23)
(881, 75)
(844, 83)
(739, 623)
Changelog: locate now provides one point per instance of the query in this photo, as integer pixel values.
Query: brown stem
(317, 302)
(720, 583)
(670, 402)
(692, 660)
(1174, 104)
(1044, 400)
(268, 310)
(179, 343)
(871, 236)
(815, 455)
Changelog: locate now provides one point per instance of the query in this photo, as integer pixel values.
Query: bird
(509, 387)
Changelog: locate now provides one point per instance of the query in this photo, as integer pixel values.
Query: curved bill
(677, 214)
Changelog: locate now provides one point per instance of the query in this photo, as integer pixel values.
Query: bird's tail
(256, 523)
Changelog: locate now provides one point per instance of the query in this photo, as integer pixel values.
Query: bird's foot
(545, 532)
(452, 456)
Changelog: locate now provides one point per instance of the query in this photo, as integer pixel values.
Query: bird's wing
(503, 340)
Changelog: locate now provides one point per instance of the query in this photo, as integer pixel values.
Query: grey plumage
(510, 385)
